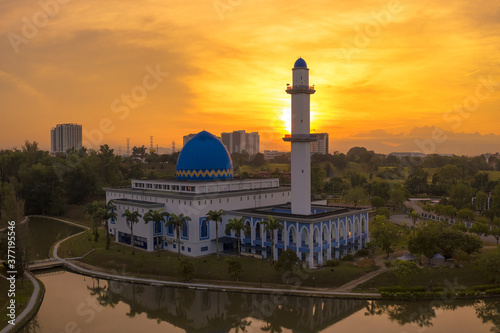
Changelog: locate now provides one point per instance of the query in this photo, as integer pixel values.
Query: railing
(300, 135)
(299, 87)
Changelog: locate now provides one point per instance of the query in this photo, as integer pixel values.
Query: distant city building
(320, 146)
(65, 136)
(271, 154)
(186, 138)
(408, 154)
(239, 141)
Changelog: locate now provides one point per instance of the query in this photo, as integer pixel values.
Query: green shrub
(485, 287)
(363, 253)
(437, 289)
(388, 263)
(332, 263)
(495, 291)
(348, 257)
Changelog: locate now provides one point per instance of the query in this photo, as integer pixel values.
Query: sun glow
(286, 120)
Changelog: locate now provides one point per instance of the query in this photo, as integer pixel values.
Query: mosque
(204, 181)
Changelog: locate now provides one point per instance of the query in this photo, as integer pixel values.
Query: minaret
(301, 138)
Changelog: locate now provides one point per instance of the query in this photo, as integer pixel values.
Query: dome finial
(300, 63)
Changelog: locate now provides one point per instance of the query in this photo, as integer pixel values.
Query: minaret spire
(301, 138)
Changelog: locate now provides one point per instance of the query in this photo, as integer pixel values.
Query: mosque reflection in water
(196, 310)
(210, 311)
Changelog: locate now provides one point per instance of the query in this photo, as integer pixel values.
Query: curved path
(339, 292)
(30, 306)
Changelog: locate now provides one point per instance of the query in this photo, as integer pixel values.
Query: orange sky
(385, 65)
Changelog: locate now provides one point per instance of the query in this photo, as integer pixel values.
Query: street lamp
(209, 277)
(314, 278)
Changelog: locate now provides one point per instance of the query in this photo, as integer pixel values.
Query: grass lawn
(23, 293)
(494, 175)
(119, 260)
(467, 276)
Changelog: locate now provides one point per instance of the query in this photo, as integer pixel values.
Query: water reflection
(96, 305)
(423, 313)
(211, 311)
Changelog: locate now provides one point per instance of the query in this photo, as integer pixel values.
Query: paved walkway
(31, 304)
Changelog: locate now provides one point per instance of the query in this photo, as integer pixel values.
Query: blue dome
(300, 63)
(204, 157)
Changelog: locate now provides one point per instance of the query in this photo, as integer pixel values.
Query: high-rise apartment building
(65, 136)
(321, 145)
(186, 138)
(239, 141)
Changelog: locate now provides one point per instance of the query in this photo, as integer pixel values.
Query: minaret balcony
(300, 138)
(300, 89)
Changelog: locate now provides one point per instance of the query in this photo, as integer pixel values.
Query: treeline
(47, 184)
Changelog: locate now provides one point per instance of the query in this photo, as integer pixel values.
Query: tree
(91, 209)
(132, 218)
(156, 216)
(106, 212)
(461, 195)
(234, 267)
(287, 261)
(449, 211)
(385, 234)
(489, 265)
(178, 221)
(417, 181)
(404, 269)
(495, 228)
(216, 216)
(414, 218)
(237, 225)
(466, 214)
(480, 227)
(318, 176)
(355, 195)
(398, 197)
(377, 202)
(270, 225)
(185, 268)
(471, 244)
(424, 242)
(481, 201)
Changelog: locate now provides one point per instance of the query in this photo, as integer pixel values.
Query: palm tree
(132, 218)
(106, 212)
(216, 215)
(272, 224)
(237, 224)
(414, 218)
(178, 221)
(91, 209)
(156, 216)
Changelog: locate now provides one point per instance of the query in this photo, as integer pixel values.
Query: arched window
(325, 234)
(204, 229)
(292, 236)
(363, 228)
(170, 229)
(304, 235)
(334, 232)
(248, 233)
(280, 235)
(316, 236)
(349, 229)
(257, 231)
(341, 230)
(185, 231)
